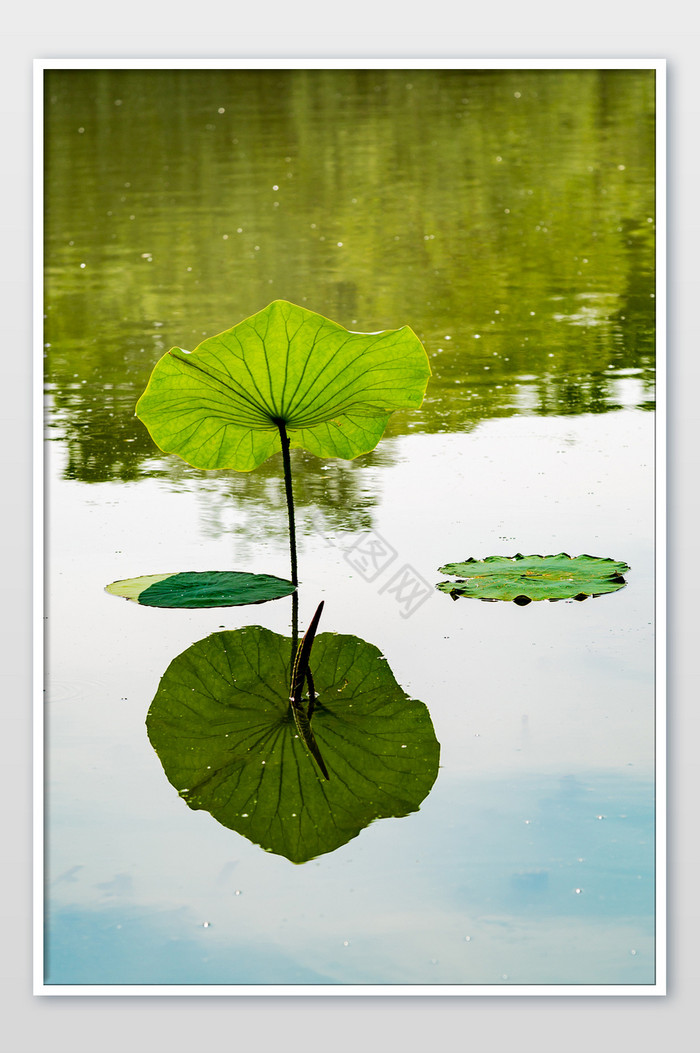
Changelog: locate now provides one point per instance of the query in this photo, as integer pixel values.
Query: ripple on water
(78, 690)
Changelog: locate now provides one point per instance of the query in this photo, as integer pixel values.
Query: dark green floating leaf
(525, 578)
(212, 588)
(222, 726)
(219, 405)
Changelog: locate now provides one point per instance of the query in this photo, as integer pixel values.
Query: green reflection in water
(222, 726)
(507, 216)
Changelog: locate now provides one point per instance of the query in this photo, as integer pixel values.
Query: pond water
(508, 218)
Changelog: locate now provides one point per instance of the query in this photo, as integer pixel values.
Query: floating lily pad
(220, 406)
(525, 578)
(222, 725)
(212, 588)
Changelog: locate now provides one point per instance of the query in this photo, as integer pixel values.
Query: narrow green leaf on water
(220, 405)
(194, 589)
(300, 668)
(525, 578)
(222, 725)
(301, 674)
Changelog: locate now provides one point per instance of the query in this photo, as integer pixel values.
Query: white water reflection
(394, 906)
(545, 715)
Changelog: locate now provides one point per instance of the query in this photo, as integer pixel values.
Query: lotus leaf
(525, 578)
(191, 589)
(222, 726)
(221, 405)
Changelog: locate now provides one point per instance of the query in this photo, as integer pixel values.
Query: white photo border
(659, 987)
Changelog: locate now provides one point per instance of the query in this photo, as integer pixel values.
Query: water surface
(508, 217)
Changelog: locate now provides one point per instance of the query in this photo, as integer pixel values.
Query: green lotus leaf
(212, 588)
(525, 578)
(220, 405)
(222, 725)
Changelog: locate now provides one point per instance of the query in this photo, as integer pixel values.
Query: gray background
(213, 29)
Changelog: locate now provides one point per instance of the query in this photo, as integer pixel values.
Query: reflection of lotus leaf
(194, 589)
(220, 405)
(222, 726)
(525, 578)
